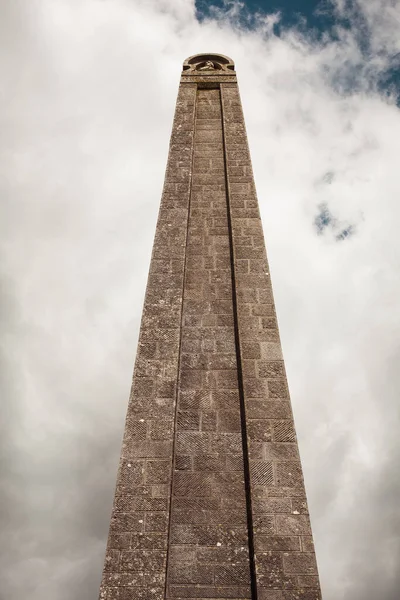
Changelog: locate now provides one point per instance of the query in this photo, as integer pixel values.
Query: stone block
(300, 563)
(266, 543)
(293, 525)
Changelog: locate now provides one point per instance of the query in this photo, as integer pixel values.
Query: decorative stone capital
(208, 67)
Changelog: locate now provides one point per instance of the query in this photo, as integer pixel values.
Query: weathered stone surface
(208, 365)
(210, 500)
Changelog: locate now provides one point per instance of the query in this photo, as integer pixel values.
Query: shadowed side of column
(285, 565)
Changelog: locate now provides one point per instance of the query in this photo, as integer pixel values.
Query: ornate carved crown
(212, 64)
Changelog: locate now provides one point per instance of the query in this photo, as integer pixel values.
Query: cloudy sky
(87, 94)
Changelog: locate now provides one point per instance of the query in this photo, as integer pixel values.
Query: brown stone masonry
(208, 553)
(210, 501)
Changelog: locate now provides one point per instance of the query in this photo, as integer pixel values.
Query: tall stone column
(210, 500)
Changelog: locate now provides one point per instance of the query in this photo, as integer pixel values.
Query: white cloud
(86, 110)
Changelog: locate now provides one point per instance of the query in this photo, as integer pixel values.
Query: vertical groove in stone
(175, 428)
(246, 466)
(285, 566)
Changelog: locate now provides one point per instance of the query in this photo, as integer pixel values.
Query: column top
(208, 67)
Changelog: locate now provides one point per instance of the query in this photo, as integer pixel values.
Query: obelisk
(210, 500)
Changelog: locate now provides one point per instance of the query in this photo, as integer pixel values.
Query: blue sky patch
(317, 20)
(313, 13)
(325, 221)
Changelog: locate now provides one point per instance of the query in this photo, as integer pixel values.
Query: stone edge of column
(144, 440)
(299, 567)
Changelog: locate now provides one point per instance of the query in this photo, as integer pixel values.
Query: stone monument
(210, 500)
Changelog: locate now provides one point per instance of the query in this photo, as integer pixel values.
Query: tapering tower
(210, 500)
